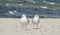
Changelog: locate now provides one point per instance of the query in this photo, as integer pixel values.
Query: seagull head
(23, 15)
(36, 16)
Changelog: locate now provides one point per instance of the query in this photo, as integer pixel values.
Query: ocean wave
(14, 12)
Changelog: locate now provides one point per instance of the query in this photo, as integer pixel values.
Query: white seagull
(24, 21)
(36, 20)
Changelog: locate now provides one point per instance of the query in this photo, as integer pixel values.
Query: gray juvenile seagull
(24, 21)
(36, 20)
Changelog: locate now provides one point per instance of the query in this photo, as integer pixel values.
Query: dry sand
(47, 26)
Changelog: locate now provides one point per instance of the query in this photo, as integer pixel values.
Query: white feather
(24, 18)
(36, 19)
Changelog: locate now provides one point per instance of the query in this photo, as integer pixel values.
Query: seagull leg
(25, 25)
(22, 25)
(33, 24)
(36, 24)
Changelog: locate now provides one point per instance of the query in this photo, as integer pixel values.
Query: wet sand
(47, 26)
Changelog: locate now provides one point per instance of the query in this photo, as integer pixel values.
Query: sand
(47, 26)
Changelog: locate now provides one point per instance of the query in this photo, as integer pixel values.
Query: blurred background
(43, 8)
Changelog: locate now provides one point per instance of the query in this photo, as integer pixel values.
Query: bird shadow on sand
(35, 28)
(26, 29)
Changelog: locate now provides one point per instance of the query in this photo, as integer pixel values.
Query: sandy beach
(47, 26)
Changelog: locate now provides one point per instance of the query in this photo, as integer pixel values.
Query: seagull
(24, 21)
(35, 20)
